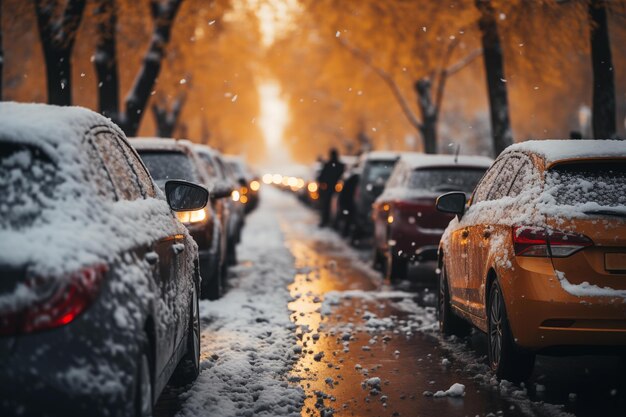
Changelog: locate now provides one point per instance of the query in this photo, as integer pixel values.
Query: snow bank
(249, 343)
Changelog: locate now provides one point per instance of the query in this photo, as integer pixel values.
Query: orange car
(537, 259)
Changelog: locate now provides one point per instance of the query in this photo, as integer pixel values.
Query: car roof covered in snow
(52, 128)
(150, 143)
(206, 149)
(554, 150)
(416, 160)
(380, 155)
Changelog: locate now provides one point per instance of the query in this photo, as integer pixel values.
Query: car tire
(188, 368)
(211, 287)
(396, 268)
(231, 253)
(143, 400)
(506, 359)
(449, 323)
(378, 261)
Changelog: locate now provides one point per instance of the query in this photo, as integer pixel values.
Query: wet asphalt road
(333, 366)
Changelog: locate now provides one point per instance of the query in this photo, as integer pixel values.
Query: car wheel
(506, 359)
(449, 323)
(188, 368)
(397, 268)
(211, 287)
(143, 385)
(231, 253)
(377, 259)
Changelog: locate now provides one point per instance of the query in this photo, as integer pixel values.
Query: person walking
(327, 179)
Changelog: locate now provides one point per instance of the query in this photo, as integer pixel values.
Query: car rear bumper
(543, 315)
(416, 245)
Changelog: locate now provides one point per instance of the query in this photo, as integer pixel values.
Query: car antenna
(456, 151)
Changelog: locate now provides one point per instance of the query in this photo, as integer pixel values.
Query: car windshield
(588, 182)
(445, 179)
(28, 180)
(378, 172)
(168, 165)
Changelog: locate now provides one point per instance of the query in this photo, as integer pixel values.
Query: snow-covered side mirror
(185, 196)
(453, 202)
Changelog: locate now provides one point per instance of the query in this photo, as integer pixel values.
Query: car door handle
(152, 258)
(465, 234)
(178, 248)
(487, 234)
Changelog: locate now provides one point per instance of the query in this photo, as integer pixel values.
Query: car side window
(483, 188)
(502, 182)
(145, 181)
(522, 178)
(122, 175)
(97, 172)
(209, 165)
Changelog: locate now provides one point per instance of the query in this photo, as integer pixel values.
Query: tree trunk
(137, 98)
(57, 41)
(167, 120)
(429, 115)
(603, 112)
(106, 60)
(496, 81)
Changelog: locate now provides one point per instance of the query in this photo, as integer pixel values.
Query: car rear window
(445, 179)
(168, 165)
(603, 183)
(28, 180)
(378, 172)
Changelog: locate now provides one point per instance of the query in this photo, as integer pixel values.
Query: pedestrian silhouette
(327, 180)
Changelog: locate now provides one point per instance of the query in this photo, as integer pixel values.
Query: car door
(160, 256)
(485, 237)
(459, 263)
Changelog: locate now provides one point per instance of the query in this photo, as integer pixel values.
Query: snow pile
(249, 344)
(456, 390)
(585, 289)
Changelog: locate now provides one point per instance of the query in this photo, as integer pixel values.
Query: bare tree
(106, 59)
(604, 107)
(429, 108)
(163, 13)
(57, 32)
(496, 81)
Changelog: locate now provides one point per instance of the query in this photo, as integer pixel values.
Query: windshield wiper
(607, 212)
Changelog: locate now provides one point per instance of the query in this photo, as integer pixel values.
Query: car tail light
(541, 242)
(64, 301)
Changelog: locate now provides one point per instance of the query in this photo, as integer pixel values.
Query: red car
(407, 226)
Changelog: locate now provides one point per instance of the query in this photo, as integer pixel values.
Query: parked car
(233, 218)
(250, 183)
(342, 206)
(537, 260)
(238, 208)
(100, 282)
(376, 169)
(407, 226)
(169, 159)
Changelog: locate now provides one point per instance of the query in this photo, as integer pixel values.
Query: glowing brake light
(195, 216)
(255, 185)
(540, 242)
(65, 300)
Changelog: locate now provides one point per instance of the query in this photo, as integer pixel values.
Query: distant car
(249, 182)
(169, 159)
(238, 208)
(376, 167)
(233, 216)
(538, 258)
(99, 281)
(407, 226)
(342, 206)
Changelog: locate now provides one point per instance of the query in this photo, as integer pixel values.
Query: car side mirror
(453, 202)
(185, 196)
(242, 181)
(221, 192)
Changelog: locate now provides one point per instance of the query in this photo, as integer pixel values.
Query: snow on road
(247, 337)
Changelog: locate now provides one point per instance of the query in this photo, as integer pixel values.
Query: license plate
(615, 261)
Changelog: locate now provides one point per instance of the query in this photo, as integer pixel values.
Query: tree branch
(388, 79)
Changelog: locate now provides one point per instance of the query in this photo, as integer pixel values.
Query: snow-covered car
(231, 210)
(407, 226)
(538, 258)
(376, 169)
(98, 280)
(169, 159)
(248, 181)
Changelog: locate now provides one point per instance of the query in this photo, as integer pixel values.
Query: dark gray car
(98, 280)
